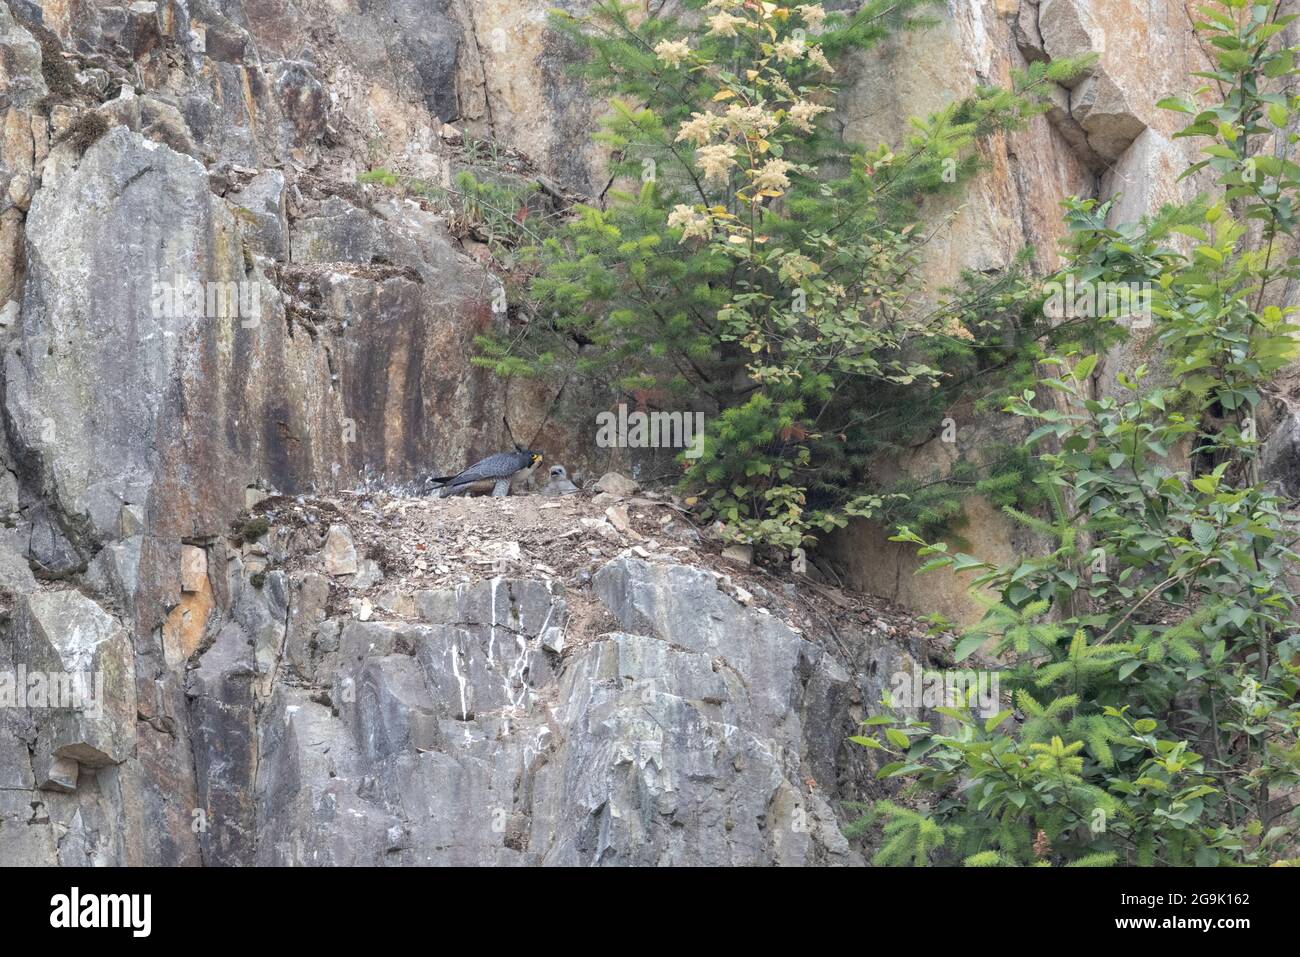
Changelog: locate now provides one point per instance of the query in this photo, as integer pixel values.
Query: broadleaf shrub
(1152, 651)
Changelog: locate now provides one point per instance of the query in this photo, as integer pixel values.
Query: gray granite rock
(21, 81)
(462, 740)
(87, 667)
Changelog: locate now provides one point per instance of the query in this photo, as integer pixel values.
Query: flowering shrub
(753, 265)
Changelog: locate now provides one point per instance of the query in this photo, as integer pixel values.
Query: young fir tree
(763, 270)
(1153, 651)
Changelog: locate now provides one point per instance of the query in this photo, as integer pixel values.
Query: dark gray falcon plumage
(500, 470)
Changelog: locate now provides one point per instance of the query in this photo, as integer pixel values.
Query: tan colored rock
(1103, 112)
(11, 253)
(618, 517)
(194, 568)
(185, 625)
(1146, 177)
(1068, 29)
(1144, 52)
(513, 84)
(880, 567)
(1103, 137)
(20, 190)
(615, 483)
(339, 555)
(40, 127)
(398, 602)
(744, 554)
(602, 528)
(17, 148)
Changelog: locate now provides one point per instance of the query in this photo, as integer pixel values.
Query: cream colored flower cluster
(743, 122)
(716, 161)
(723, 23)
(718, 137)
(804, 112)
(812, 14)
(692, 223)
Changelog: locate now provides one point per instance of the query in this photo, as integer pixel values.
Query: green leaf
(996, 720)
(1084, 368)
(967, 646)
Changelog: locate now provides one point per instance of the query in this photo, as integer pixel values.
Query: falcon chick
(559, 483)
(500, 469)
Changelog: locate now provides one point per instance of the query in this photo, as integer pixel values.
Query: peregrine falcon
(559, 483)
(500, 470)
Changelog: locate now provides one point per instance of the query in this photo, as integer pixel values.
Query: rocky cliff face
(1103, 138)
(199, 304)
(384, 680)
(200, 301)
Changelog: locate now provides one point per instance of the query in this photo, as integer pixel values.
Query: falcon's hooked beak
(537, 457)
